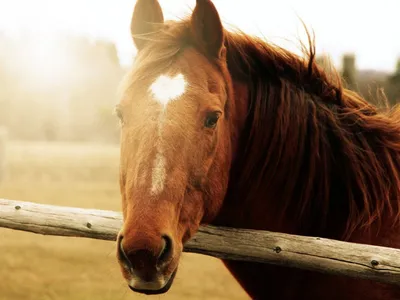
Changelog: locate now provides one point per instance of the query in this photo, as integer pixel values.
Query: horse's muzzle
(145, 264)
(152, 291)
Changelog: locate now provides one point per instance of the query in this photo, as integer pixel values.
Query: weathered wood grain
(311, 253)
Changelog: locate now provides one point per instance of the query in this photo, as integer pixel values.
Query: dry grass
(41, 267)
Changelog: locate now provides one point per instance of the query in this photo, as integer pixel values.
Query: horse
(221, 127)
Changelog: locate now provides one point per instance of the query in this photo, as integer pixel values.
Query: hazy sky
(371, 28)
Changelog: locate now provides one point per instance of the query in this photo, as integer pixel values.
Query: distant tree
(107, 124)
(113, 54)
(5, 82)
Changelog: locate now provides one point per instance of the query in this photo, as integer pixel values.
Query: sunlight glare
(48, 62)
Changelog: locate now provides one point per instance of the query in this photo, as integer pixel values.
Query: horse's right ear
(147, 15)
(207, 29)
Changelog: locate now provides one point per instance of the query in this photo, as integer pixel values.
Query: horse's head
(176, 140)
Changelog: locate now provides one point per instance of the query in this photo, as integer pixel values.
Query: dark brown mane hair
(323, 152)
(326, 155)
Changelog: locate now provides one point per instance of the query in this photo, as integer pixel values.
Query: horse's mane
(330, 158)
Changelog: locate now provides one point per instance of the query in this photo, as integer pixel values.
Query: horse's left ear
(206, 27)
(146, 18)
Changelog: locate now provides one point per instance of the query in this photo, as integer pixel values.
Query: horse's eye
(212, 119)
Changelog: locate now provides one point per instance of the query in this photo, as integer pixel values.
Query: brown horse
(224, 128)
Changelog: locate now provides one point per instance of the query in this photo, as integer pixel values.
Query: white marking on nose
(164, 90)
(159, 174)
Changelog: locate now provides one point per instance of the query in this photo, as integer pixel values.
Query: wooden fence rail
(311, 253)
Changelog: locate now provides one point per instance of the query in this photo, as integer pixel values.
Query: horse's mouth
(163, 290)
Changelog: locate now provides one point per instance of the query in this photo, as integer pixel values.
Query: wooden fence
(310, 253)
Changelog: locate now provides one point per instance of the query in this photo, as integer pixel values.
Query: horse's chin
(163, 290)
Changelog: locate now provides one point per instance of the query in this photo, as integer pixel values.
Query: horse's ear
(206, 27)
(147, 15)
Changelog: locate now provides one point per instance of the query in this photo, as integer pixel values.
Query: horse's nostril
(141, 254)
(166, 251)
(122, 254)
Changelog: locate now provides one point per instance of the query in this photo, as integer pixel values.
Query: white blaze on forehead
(164, 90)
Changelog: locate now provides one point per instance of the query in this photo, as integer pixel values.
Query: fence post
(349, 71)
(393, 85)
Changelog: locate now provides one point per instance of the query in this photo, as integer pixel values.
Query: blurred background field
(60, 66)
(41, 267)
